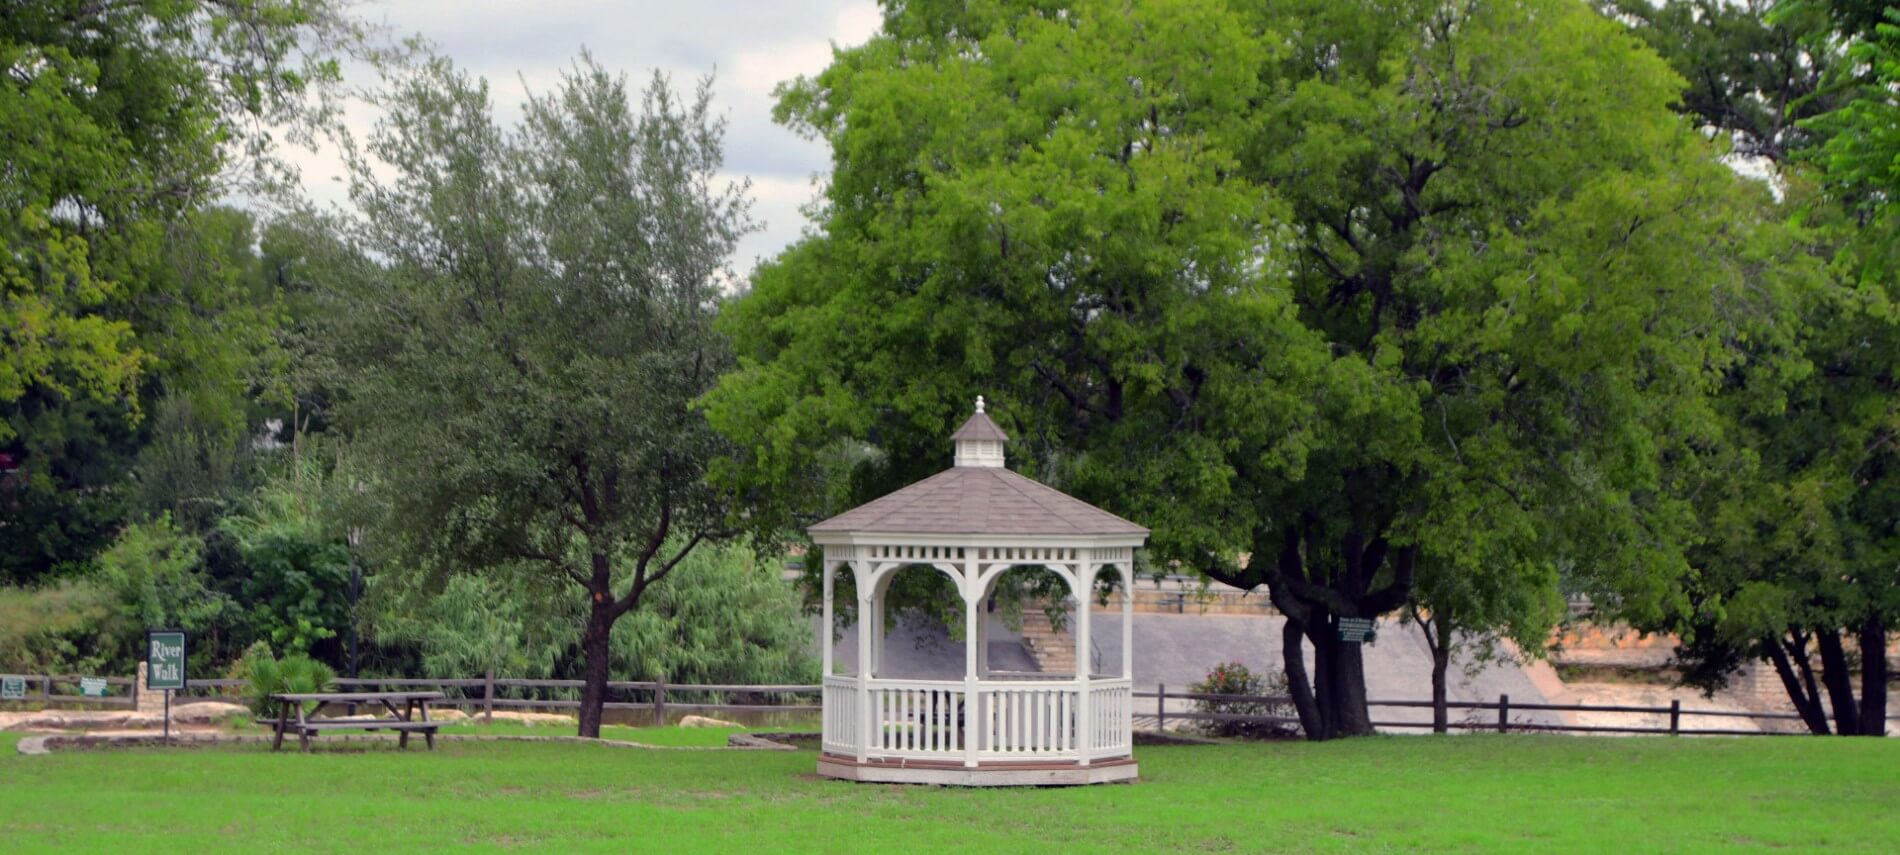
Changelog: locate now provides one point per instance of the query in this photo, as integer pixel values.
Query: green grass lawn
(1509, 793)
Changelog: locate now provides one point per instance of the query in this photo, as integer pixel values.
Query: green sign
(1356, 630)
(165, 659)
(92, 687)
(12, 688)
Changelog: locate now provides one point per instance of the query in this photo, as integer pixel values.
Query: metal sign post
(165, 666)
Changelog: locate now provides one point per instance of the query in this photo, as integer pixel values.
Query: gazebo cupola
(980, 442)
(973, 522)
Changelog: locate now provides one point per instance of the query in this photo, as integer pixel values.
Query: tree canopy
(1322, 293)
(517, 323)
(1799, 546)
(120, 288)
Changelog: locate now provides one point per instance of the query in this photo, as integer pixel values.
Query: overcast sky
(749, 46)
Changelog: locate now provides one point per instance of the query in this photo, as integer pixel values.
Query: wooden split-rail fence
(1489, 715)
(489, 693)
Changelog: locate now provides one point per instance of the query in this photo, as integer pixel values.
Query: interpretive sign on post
(12, 688)
(165, 666)
(92, 687)
(165, 659)
(1355, 630)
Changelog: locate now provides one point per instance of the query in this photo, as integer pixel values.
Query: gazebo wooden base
(993, 774)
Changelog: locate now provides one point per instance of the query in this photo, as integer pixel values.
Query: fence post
(1504, 713)
(1675, 717)
(659, 702)
(1161, 708)
(46, 688)
(488, 696)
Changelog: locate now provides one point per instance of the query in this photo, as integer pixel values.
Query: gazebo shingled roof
(979, 500)
(980, 426)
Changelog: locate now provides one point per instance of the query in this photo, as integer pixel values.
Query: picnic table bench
(403, 721)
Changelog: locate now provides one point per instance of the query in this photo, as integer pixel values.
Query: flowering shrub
(1233, 678)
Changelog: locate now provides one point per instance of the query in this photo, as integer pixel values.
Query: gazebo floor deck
(988, 773)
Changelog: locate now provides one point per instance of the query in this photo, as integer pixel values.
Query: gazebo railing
(841, 714)
(917, 718)
(1010, 719)
(1112, 706)
(1028, 719)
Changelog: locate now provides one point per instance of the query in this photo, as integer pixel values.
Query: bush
(723, 616)
(1233, 678)
(266, 675)
(153, 570)
(54, 629)
(288, 565)
(472, 625)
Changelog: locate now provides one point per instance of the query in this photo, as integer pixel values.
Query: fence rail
(476, 693)
(481, 693)
(1503, 706)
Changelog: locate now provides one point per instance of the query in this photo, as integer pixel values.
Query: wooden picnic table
(403, 720)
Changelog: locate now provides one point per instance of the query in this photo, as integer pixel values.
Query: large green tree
(517, 320)
(1325, 293)
(119, 123)
(1798, 563)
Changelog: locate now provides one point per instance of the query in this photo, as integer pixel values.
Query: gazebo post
(875, 619)
(982, 636)
(1128, 622)
(824, 640)
(973, 616)
(866, 592)
(1127, 724)
(1086, 732)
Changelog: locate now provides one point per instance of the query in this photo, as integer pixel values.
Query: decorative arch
(986, 579)
(884, 572)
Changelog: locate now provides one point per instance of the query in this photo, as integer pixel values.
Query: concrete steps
(1053, 649)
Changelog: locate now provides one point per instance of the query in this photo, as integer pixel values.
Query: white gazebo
(972, 522)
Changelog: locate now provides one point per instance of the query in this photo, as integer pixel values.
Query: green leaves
(1451, 279)
(515, 323)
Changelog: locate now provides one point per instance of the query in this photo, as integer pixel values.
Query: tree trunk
(1332, 700)
(1441, 663)
(1873, 676)
(1293, 660)
(1346, 688)
(1840, 684)
(594, 648)
(1805, 703)
(1322, 680)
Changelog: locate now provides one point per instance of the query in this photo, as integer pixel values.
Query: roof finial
(979, 403)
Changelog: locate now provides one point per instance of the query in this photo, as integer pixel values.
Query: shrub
(723, 616)
(54, 629)
(1233, 678)
(282, 559)
(266, 675)
(154, 572)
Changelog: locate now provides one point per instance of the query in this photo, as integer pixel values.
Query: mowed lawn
(1467, 793)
